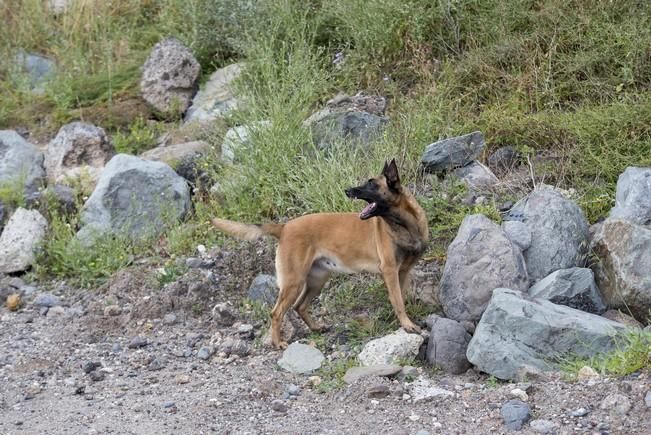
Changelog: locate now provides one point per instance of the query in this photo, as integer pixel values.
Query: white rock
(391, 348)
(20, 237)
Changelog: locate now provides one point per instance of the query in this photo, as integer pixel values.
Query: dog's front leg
(392, 281)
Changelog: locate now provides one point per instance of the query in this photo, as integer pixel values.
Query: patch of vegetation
(170, 272)
(140, 137)
(632, 353)
(332, 374)
(12, 193)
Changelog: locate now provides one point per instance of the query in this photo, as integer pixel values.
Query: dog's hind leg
(316, 279)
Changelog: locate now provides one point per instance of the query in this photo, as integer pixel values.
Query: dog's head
(381, 192)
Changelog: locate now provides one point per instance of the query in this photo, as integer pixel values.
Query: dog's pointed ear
(390, 172)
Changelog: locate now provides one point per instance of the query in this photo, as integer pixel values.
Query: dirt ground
(76, 369)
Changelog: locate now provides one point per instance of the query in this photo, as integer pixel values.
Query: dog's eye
(370, 180)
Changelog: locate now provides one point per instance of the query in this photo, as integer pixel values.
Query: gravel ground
(129, 359)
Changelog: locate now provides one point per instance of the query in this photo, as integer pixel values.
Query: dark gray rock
(623, 272)
(20, 162)
(504, 158)
(216, 98)
(19, 240)
(480, 259)
(264, 289)
(156, 364)
(519, 336)
(77, 147)
(58, 197)
(633, 198)
(170, 77)
(453, 152)
(518, 232)
(378, 391)
(559, 232)
(235, 346)
(97, 375)
(39, 69)
(137, 342)
(359, 128)
(301, 358)
(446, 348)
(515, 414)
(279, 406)
(135, 198)
(573, 287)
(90, 366)
(205, 352)
(224, 314)
(47, 300)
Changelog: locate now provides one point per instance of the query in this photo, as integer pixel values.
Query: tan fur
(315, 246)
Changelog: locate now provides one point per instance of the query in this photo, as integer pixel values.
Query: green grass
(140, 137)
(632, 353)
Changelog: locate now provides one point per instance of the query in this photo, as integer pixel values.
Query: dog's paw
(411, 328)
(282, 345)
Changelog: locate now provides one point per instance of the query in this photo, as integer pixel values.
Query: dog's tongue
(368, 210)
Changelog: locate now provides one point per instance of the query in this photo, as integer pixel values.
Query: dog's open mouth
(367, 212)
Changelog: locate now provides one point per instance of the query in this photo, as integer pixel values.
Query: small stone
(354, 374)
(56, 311)
(515, 414)
(587, 373)
(301, 358)
(156, 364)
(182, 379)
(235, 346)
(279, 406)
(422, 390)
(47, 300)
(224, 314)
(97, 375)
(90, 366)
(13, 302)
(205, 352)
(580, 412)
(137, 342)
(169, 319)
(245, 330)
(542, 426)
(647, 399)
(31, 391)
(169, 404)
(617, 403)
(378, 391)
(112, 310)
(422, 432)
(519, 394)
(414, 417)
(293, 390)
(193, 262)
(315, 381)
(116, 348)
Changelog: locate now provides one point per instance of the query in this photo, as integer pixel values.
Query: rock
(574, 287)
(315, 381)
(182, 379)
(293, 390)
(224, 314)
(447, 344)
(390, 349)
(205, 352)
(239, 138)
(12, 302)
(647, 399)
(112, 310)
(616, 403)
(235, 346)
(624, 319)
(623, 273)
(559, 232)
(19, 240)
(516, 337)
(453, 152)
(480, 259)
(358, 128)
(279, 406)
(57, 197)
(169, 319)
(56, 312)
(354, 374)
(134, 197)
(156, 364)
(378, 391)
(421, 390)
(504, 158)
(39, 69)
(97, 375)
(217, 97)
(518, 233)
(245, 331)
(633, 197)
(77, 147)
(587, 373)
(170, 77)
(515, 414)
(90, 366)
(517, 393)
(301, 358)
(264, 289)
(20, 162)
(546, 427)
(137, 342)
(342, 103)
(173, 154)
(476, 175)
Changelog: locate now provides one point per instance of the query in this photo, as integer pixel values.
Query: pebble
(47, 300)
(13, 302)
(587, 373)
(156, 364)
(193, 262)
(97, 375)
(647, 399)
(137, 342)
(519, 394)
(314, 380)
(56, 311)
(112, 310)
(169, 319)
(515, 414)
(90, 366)
(245, 330)
(378, 391)
(205, 352)
(293, 390)
(279, 406)
(543, 426)
(182, 379)
(581, 412)
(414, 417)
(234, 346)
(617, 403)
(116, 348)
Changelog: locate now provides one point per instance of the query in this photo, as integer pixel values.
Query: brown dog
(388, 236)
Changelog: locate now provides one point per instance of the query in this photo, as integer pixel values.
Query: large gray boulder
(135, 198)
(447, 345)
(217, 97)
(20, 161)
(358, 128)
(519, 335)
(559, 232)
(453, 152)
(38, 68)
(79, 146)
(633, 198)
(19, 239)
(480, 259)
(574, 287)
(169, 77)
(623, 273)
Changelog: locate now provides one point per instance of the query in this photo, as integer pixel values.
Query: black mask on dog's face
(379, 192)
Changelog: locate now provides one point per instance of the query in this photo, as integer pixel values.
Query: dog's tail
(247, 231)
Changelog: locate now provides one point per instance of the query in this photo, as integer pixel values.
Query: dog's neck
(408, 215)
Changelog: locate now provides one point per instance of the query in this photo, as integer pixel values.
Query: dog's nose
(349, 192)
